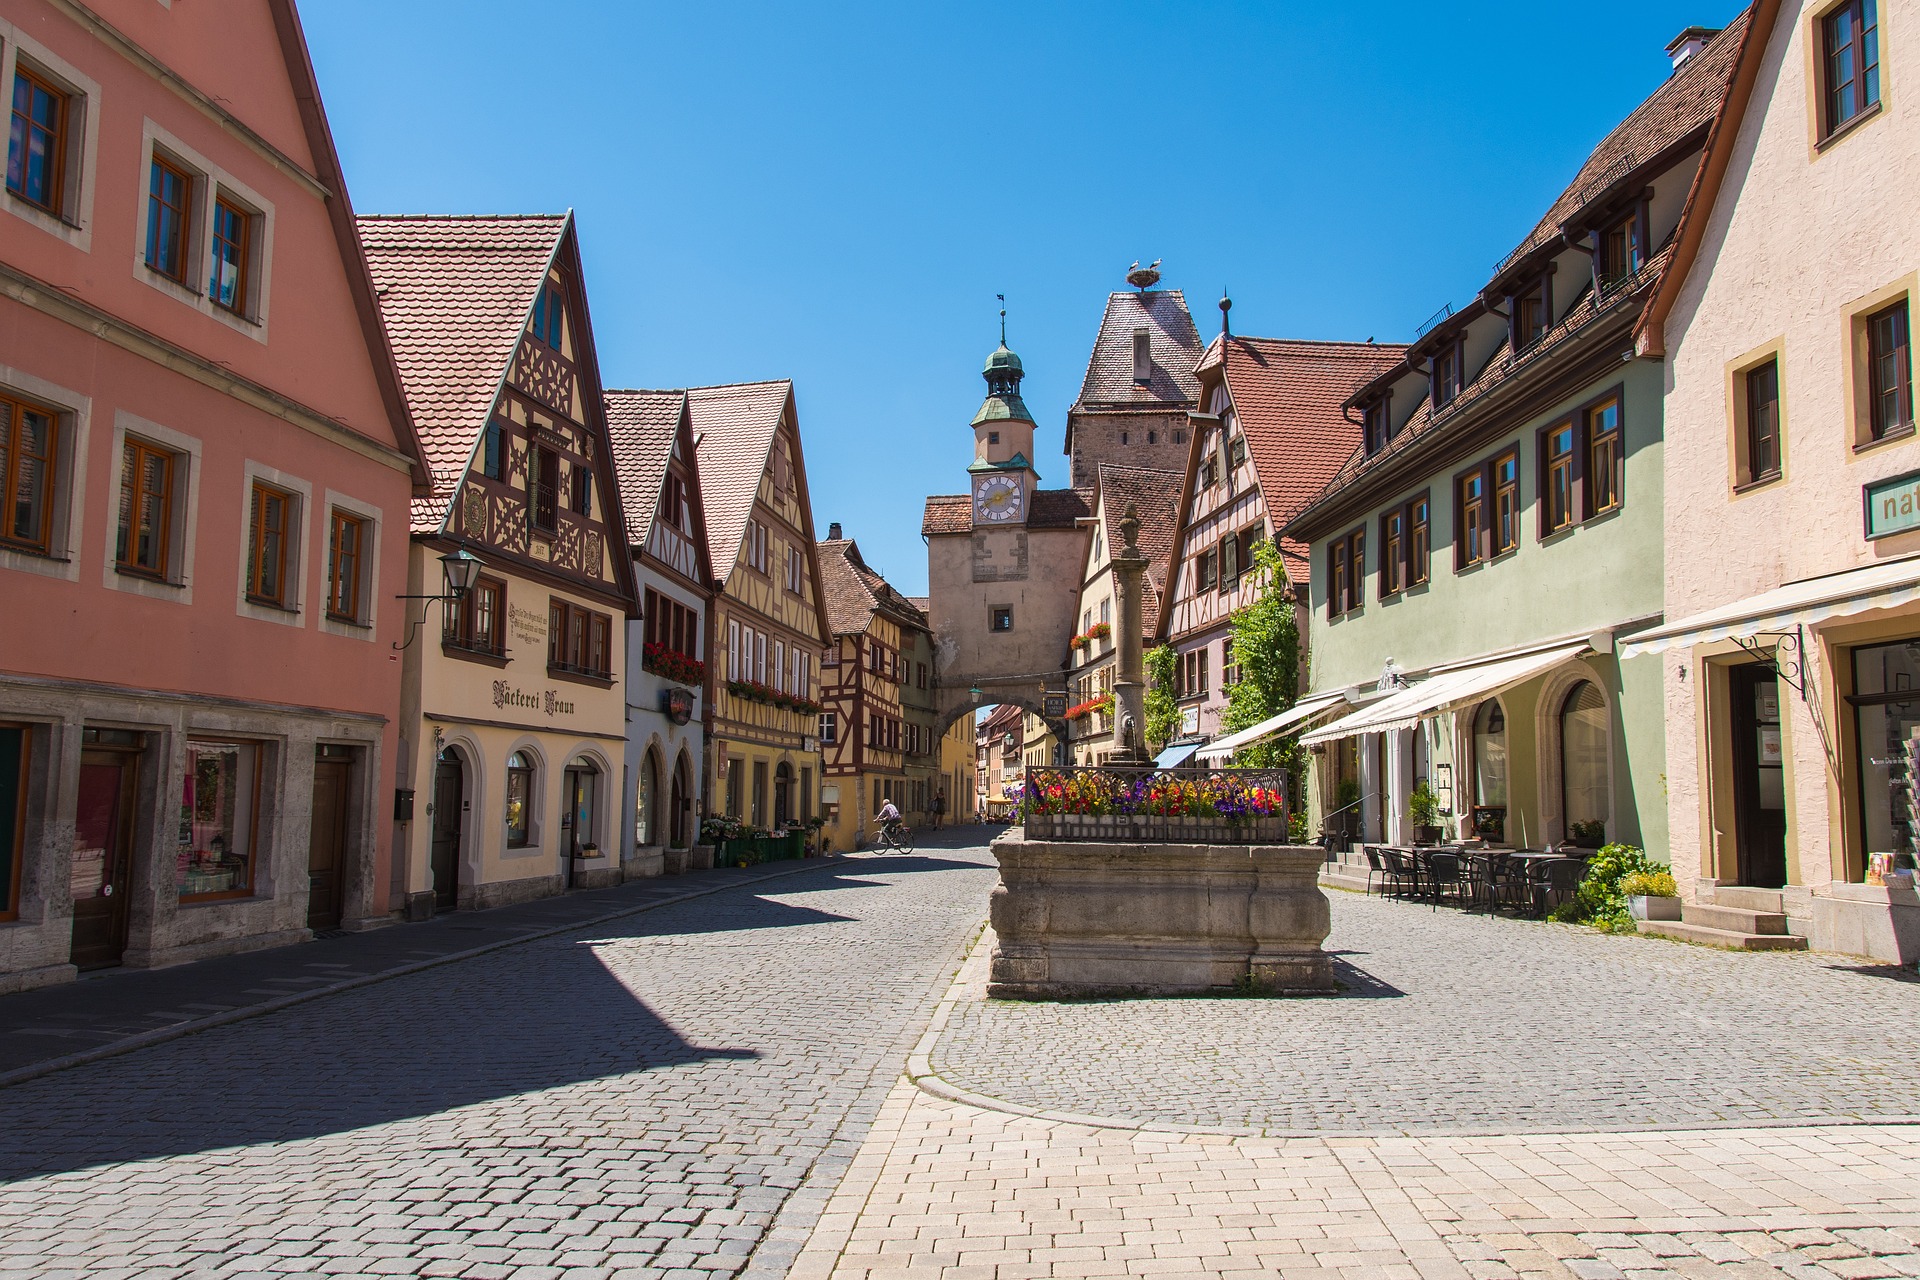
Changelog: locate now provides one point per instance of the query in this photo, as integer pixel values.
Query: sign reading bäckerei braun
(507, 696)
(1892, 505)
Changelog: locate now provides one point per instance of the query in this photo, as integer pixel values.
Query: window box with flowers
(1097, 632)
(1102, 705)
(673, 665)
(754, 691)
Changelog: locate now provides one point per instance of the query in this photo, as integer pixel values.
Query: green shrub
(1601, 901)
(1649, 884)
(1423, 805)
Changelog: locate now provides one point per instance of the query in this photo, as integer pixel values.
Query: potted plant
(1587, 835)
(1651, 895)
(1424, 807)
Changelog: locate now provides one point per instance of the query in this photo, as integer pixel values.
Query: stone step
(1729, 895)
(1718, 915)
(1723, 937)
(1335, 877)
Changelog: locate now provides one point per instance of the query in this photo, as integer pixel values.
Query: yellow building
(1038, 747)
(957, 771)
(863, 733)
(769, 622)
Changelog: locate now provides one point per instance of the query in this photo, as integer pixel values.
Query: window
(519, 800)
(1532, 313)
(1606, 462)
(547, 310)
(1623, 249)
(1208, 569)
(756, 546)
(1393, 548)
(1002, 620)
(1449, 377)
(674, 505)
(1490, 755)
(1229, 672)
(733, 649)
(15, 740)
(920, 670)
(1373, 429)
(670, 624)
(1349, 564)
(1851, 36)
(736, 787)
(581, 785)
(993, 437)
(169, 191)
(1178, 434)
(146, 509)
(780, 666)
(1142, 356)
(582, 488)
(221, 819)
(829, 728)
(578, 640)
(478, 623)
(1153, 437)
(1419, 541)
(796, 569)
(1473, 520)
(1763, 423)
(1229, 562)
(1236, 451)
(1889, 372)
(543, 482)
(232, 235)
(1506, 502)
(37, 142)
(1556, 512)
(1193, 673)
(1209, 472)
(29, 437)
(346, 554)
(493, 452)
(267, 557)
(1583, 756)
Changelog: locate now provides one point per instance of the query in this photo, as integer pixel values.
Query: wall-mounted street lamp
(460, 569)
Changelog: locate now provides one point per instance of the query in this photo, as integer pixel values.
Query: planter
(1645, 908)
(596, 872)
(675, 861)
(700, 858)
(1139, 828)
(1086, 919)
(1426, 835)
(644, 863)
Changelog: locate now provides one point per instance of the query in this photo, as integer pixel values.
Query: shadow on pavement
(1357, 984)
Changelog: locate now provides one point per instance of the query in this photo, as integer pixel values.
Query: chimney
(1142, 356)
(1688, 43)
(833, 532)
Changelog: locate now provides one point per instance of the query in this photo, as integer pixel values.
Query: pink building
(208, 467)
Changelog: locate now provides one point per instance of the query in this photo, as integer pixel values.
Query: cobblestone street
(634, 1100)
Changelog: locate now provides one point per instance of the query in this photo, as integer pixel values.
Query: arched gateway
(1003, 561)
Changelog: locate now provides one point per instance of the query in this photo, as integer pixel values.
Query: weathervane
(1003, 317)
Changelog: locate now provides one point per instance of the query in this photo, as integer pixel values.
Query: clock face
(997, 499)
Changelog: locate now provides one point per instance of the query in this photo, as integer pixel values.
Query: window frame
(1347, 582)
(1753, 471)
(1419, 540)
(241, 305)
(1522, 337)
(289, 521)
(1472, 518)
(1506, 520)
(543, 489)
(1592, 503)
(1832, 123)
(159, 163)
(338, 520)
(1876, 354)
(11, 433)
(460, 632)
(60, 133)
(576, 636)
(132, 494)
(1552, 462)
(1393, 549)
(1449, 373)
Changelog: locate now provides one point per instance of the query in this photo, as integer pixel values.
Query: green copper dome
(1003, 359)
(1003, 373)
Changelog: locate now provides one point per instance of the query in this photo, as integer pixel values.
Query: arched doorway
(449, 812)
(581, 835)
(782, 795)
(1490, 770)
(680, 808)
(1583, 757)
(646, 809)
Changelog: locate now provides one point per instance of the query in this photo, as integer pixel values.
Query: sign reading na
(1892, 505)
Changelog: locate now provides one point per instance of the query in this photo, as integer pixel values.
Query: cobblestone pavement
(1451, 1022)
(637, 1099)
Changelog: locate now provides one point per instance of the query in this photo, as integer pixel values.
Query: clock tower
(1002, 470)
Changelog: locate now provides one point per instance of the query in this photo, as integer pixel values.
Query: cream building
(1792, 633)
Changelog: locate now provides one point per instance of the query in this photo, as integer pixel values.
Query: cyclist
(889, 820)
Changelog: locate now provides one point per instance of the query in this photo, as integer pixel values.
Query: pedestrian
(939, 807)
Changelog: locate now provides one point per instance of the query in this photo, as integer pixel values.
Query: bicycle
(898, 837)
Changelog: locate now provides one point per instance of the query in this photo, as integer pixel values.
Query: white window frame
(733, 649)
(368, 606)
(70, 478)
(209, 181)
(75, 225)
(183, 517)
(293, 613)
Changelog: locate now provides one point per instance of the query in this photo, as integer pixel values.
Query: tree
(1163, 712)
(1266, 650)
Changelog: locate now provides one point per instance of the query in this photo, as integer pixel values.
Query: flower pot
(1426, 835)
(1645, 908)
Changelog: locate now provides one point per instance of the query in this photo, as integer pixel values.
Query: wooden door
(327, 842)
(1759, 776)
(680, 807)
(449, 802)
(102, 866)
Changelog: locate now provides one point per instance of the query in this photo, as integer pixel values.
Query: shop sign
(1053, 705)
(513, 697)
(1892, 505)
(677, 704)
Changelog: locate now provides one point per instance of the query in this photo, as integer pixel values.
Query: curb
(160, 1035)
(921, 1073)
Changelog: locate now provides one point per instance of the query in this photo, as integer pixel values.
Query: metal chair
(1555, 881)
(1443, 877)
(1374, 866)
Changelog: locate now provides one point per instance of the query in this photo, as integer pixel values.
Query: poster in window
(1769, 745)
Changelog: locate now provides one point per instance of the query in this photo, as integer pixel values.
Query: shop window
(520, 795)
(646, 814)
(477, 623)
(15, 741)
(38, 141)
(1490, 770)
(582, 784)
(1583, 756)
(270, 550)
(346, 565)
(1886, 714)
(220, 814)
(144, 540)
(169, 210)
(29, 463)
(1850, 45)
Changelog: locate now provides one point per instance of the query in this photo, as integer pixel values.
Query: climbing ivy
(1266, 649)
(1163, 713)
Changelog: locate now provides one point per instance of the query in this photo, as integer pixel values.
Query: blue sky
(835, 193)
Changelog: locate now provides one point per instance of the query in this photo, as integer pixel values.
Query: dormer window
(1142, 356)
(1373, 431)
(1623, 249)
(1532, 311)
(1449, 364)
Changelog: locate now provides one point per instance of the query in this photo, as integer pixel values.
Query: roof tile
(641, 427)
(733, 429)
(1109, 383)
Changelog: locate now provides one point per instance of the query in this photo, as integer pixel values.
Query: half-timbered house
(769, 617)
(863, 728)
(653, 452)
(1272, 435)
(513, 707)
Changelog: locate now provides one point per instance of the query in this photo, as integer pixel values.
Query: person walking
(939, 807)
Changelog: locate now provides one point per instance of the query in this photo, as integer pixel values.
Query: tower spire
(1003, 317)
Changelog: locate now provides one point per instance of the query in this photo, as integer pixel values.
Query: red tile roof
(1288, 395)
(455, 293)
(641, 426)
(1155, 496)
(855, 592)
(733, 429)
(1109, 383)
(1052, 509)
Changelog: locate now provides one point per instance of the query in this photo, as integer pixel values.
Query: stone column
(1130, 685)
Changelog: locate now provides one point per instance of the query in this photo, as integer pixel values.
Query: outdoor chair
(1403, 877)
(1443, 878)
(1555, 881)
(1374, 866)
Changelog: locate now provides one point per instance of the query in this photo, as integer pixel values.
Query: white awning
(1837, 595)
(1445, 691)
(1301, 712)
